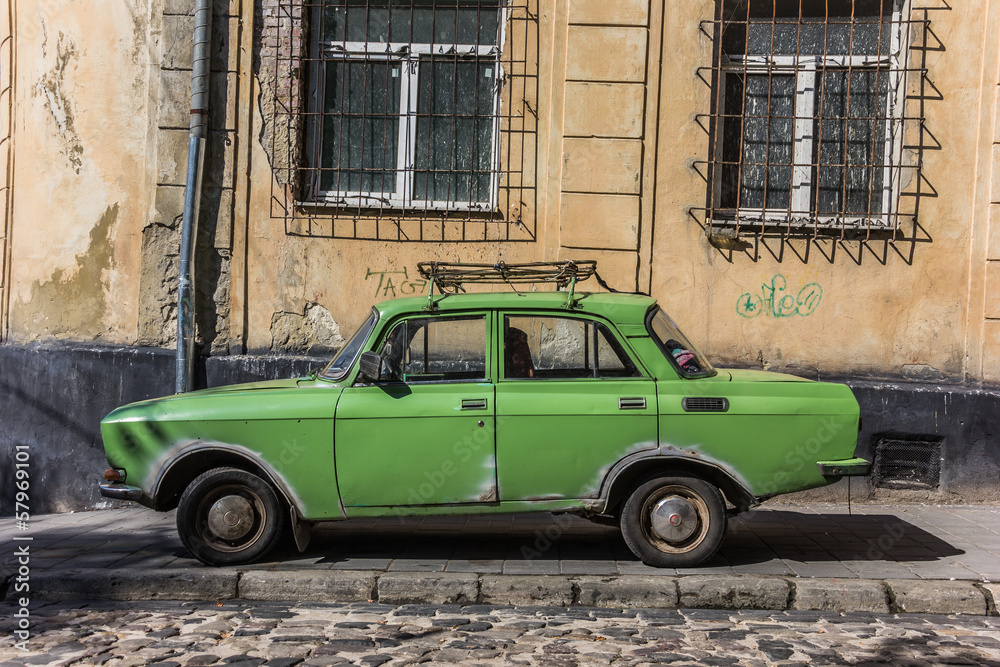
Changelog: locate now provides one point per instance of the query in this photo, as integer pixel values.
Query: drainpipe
(192, 194)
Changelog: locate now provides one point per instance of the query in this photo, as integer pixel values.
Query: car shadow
(751, 538)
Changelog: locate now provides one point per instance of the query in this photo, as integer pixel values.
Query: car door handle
(473, 403)
(631, 403)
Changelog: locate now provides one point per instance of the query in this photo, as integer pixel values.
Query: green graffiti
(775, 300)
(395, 283)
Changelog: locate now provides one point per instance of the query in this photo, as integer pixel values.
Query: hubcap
(231, 517)
(674, 519)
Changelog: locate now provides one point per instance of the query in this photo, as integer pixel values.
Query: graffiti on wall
(395, 283)
(777, 300)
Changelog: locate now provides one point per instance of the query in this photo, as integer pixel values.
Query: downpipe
(192, 195)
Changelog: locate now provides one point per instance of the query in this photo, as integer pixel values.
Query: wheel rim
(231, 518)
(674, 519)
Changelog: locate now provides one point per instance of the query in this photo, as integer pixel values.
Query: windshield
(342, 363)
(684, 357)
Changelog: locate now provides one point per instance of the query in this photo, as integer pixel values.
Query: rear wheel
(674, 521)
(228, 516)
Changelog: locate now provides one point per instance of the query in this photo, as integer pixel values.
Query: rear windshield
(342, 363)
(683, 356)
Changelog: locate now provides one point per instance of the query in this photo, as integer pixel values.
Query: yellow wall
(617, 140)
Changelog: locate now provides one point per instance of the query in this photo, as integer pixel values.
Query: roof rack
(452, 276)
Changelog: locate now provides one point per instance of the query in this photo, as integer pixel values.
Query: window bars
(402, 110)
(809, 128)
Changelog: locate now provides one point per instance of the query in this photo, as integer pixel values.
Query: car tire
(228, 516)
(674, 521)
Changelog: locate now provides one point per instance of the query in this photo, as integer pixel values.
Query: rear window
(682, 354)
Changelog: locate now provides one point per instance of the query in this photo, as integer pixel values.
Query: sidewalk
(779, 557)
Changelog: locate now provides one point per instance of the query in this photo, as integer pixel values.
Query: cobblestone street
(172, 634)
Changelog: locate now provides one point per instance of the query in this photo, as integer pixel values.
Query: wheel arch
(628, 473)
(183, 466)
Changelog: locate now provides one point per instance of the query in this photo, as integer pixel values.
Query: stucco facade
(613, 113)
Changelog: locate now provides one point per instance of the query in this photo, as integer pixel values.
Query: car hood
(746, 375)
(230, 399)
(250, 386)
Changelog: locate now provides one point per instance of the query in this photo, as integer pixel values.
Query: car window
(439, 349)
(682, 354)
(537, 347)
(342, 363)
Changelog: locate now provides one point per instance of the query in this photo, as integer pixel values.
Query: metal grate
(402, 119)
(815, 117)
(907, 464)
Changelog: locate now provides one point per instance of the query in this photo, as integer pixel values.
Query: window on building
(808, 114)
(404, 104)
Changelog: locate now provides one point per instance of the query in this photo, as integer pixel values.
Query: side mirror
(371, 366)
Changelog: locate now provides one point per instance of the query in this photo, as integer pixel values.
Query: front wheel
(228, 516)
(674, 521)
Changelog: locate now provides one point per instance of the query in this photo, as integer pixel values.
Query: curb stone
(627, 592)
(733, 592)
(992, 592)
(307, 585)
(188, 585)
(840, 595)
(926, 596)
(526, 589)
(428, 588)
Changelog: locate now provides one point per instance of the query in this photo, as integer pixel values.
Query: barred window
(404, 98)
(808, 117)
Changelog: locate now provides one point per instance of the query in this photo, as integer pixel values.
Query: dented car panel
(491, 403)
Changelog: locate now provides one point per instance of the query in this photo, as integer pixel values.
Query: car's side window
(538, 347)
(433, 349)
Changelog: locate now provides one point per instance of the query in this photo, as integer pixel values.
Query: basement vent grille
(703, 404)
(907, 464)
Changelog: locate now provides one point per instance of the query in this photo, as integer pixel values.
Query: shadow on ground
(750, 538)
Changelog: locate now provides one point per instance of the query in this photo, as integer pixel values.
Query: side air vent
(703, 404)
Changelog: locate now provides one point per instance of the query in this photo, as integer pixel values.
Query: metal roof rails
(453, 276)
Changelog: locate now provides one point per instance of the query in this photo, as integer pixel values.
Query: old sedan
(556, 401)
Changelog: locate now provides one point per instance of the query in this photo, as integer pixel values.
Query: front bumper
(122, 492)
(844, 468)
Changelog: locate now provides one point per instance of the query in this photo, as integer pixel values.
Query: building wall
(616, 144)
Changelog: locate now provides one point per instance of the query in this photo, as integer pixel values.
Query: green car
(489, 402)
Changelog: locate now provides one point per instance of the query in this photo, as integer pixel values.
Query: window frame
(805, 137)
(408, 54)
(616, 339)
(485, 317)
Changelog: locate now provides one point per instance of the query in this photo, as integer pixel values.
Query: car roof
(621, 308)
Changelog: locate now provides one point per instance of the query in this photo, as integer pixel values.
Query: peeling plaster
(52, 87)
(313, 330)
(71, 303)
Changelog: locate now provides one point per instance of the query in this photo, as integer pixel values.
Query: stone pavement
(246, 634)
(931, 559)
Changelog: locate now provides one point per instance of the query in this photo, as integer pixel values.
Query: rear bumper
(844, 468)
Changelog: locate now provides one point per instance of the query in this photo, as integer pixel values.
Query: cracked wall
(313, 331)
(82, 177)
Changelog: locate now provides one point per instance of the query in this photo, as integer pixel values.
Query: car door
(427, 436)
(571, 401)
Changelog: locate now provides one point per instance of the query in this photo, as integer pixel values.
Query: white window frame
(805, 69)
(408, 56)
